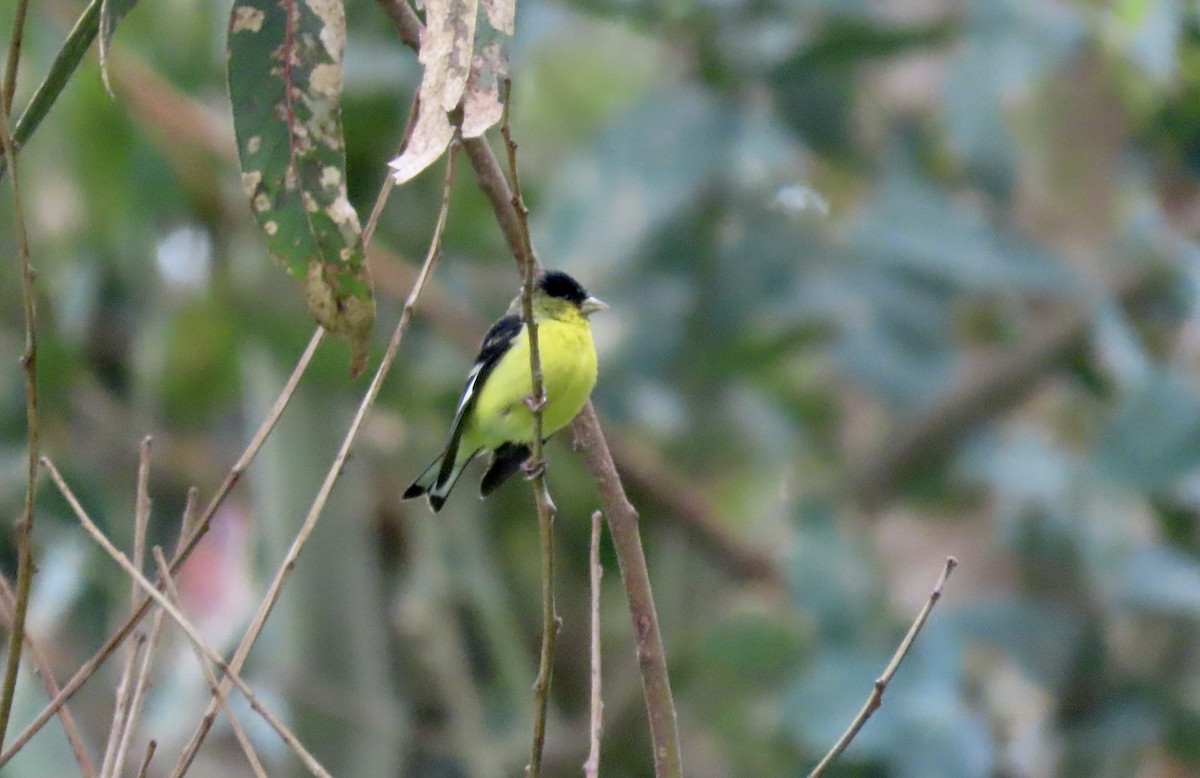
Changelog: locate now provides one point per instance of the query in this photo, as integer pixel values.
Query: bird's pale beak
(591, 305)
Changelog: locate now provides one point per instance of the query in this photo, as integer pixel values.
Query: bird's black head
(556, 283)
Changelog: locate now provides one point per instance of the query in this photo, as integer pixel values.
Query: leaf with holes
(285, 82)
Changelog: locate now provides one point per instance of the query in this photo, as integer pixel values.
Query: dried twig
(339, 461)
(16, 640)
(46, 673)
(89, 668)
(123, 696)
(591, 768)
(876, 698)
(214, 686)
(114, 757)
(143, 677)
(537, 459)
(193, 634)
(150, 748)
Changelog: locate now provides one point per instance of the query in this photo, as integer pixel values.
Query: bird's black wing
(496, 343)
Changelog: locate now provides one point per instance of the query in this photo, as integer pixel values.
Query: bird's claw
(535, 404)
(533, 469)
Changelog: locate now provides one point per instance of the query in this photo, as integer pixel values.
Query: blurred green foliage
(826, 228)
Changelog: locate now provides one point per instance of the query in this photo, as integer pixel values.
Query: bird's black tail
(437, 489)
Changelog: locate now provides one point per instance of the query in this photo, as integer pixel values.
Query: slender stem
(591, 768)
(114, 756)
(875, 700)
(335, 469)
(25, 567)
(46, 673)
(150, 749)
(188, 628)
(537, 460)
(90, 667)
(14, 54)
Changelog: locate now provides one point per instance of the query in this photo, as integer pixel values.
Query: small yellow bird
(493, 414)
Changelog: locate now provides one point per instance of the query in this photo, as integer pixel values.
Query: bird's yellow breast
(568, 358)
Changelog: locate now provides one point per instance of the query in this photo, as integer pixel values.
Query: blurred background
(890, 280)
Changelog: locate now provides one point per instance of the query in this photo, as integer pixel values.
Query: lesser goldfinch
(493, 414)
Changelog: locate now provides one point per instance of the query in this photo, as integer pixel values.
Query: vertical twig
(143, 677)
(339, 461)
(188, 544)
(188, 628)
(214, 686)
(14, 56)
(122, 698)
(591, 768)
(875, 700)
(86, 768)
(16, 639)
(537, 459)
(127, 687)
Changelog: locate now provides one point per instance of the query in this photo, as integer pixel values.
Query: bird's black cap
(556, 283)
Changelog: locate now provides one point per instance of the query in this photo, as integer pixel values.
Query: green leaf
(285, 82)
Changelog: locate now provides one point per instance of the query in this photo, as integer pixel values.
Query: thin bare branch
(122, 698)
(150, 749)
(193, 634)
(537, 459)
(214, 685)
(46, 673)
(339, 461)
(25, 567)
(89, 668)
(127, 687)
(591, 768)
(389, 182)
(876, 698)
(156, 625)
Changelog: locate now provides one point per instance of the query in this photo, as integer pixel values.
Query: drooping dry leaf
(455, 75)
(481, 104)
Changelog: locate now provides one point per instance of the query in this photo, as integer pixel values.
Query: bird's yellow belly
(568, 371)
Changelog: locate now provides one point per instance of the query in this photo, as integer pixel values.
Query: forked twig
(591, 768)
(188, 544)
(339, 461)
(875, 700)
(193, 634)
